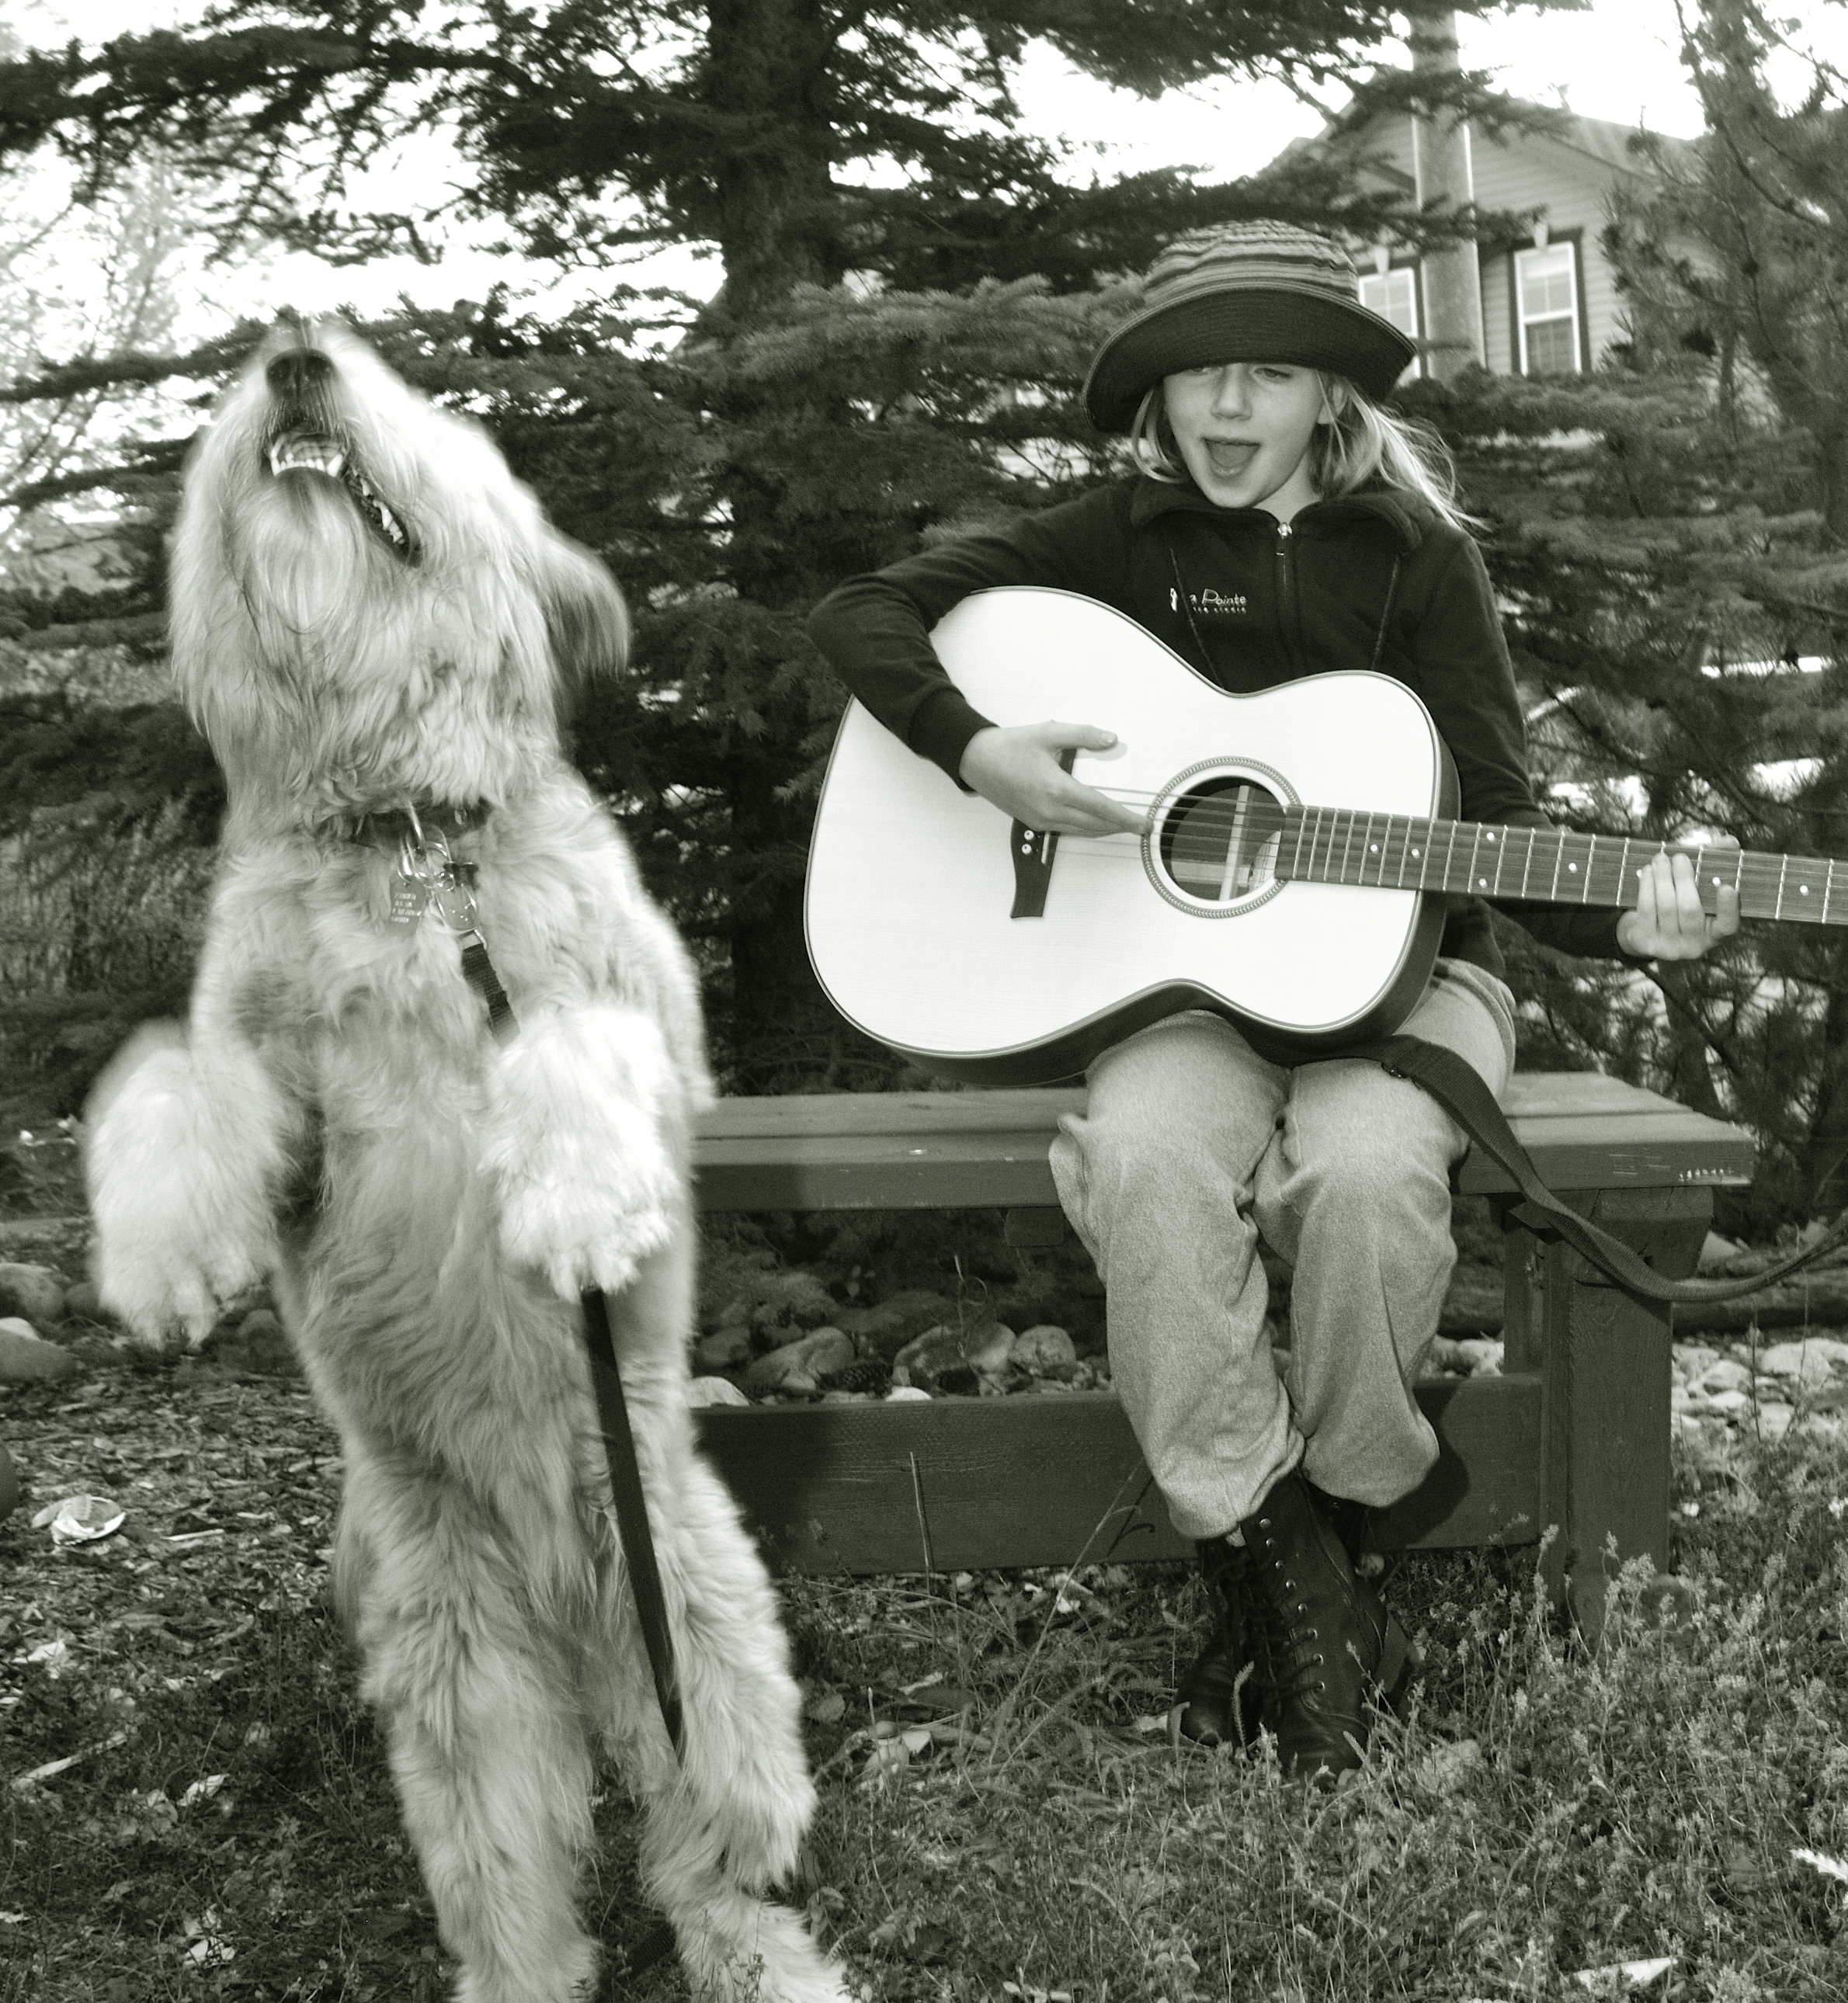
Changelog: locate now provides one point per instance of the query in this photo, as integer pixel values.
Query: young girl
(1282, 523)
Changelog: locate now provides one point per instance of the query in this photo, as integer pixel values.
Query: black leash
(1460, 1090)
(430, 878)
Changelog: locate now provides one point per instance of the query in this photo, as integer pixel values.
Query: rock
(9, 1484)
(884, 1330)
(1810, 1364)
(799, 1366)
(1445, 1768)
(954, 1360)
(25, 1359)
(85, 1302)
(1691, 1360)
(34, 1293)
(1042, 1350)
(988, 1350)
(715, 1391)
(1726, 1404)
(785, 1298)
(1726, 1375)
(1718, 1251)
(1774, 1420)
(902, 1393)
(722, 1350)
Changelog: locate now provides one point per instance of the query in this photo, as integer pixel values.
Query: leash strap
(1460, 1090)
(632, 1511)
(612, 1412)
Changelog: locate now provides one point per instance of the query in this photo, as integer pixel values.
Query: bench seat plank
(960, 1150)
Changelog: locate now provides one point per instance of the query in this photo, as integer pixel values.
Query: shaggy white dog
(370, 621)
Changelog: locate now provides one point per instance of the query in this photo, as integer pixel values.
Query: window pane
(1546, 281)
(1389, 294)
(1549, 347)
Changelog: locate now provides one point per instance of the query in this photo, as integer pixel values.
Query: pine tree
(1666, 536)
(803, 427)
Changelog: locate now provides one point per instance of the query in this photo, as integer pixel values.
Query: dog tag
(408, 899)
(453, 901)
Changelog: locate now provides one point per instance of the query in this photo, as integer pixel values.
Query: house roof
(1599, 140)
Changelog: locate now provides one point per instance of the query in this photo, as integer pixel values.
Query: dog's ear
(586, 621)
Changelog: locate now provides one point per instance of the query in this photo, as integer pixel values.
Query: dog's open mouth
(315, 452)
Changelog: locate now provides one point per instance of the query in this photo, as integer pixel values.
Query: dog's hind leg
(487, 1746)
(727, 1819)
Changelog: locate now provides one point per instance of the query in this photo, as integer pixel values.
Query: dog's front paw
(580, 1145)
(177, 1166)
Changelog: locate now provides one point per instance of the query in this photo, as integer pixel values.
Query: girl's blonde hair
(1365, 442)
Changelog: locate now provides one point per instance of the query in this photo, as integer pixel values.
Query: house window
(1546, 304)
(1393, 296)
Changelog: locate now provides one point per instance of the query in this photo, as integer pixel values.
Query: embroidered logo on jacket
(1210, 604)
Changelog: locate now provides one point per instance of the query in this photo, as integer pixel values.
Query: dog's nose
(297, 371)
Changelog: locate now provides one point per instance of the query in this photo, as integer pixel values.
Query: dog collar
(417, 820)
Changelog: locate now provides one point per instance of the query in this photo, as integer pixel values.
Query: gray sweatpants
(1190, 1146)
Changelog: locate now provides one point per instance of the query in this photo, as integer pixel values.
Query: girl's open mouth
(1229, 459)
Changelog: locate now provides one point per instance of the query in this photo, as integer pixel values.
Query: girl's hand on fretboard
(1669, 922)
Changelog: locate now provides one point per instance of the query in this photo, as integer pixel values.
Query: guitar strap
(1459, 1089)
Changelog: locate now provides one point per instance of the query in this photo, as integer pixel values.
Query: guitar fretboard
(1539, 865)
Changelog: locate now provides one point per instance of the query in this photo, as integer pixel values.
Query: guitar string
(1763, 876)
(1267, 820)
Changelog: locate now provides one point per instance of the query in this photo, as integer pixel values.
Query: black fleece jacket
(1376, 579)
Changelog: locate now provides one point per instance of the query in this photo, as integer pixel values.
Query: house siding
(1569, 183)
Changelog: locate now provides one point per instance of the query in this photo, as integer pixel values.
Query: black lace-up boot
(1353, 1524)
(1215, 1703)
(1319, 1634)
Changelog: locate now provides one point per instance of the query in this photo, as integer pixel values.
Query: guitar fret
(1828, 885)
(1450, 849)
(1501, 856)
(1476, 842)
(1405, 851)
(1590, 857)
(1533, 836)
(1783, 871)
(1295, 861)
(1623, 870)
(1559, 857)
(1347, 848)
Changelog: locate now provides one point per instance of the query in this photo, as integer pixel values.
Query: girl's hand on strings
(1669, 921)
(1017, 770)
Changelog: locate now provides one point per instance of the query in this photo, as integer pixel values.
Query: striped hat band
(1252, 291)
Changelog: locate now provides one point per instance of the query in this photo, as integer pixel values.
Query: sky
(1614, 61)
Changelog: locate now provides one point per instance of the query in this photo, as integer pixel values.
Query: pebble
(1726, 1375)
(1042, 1349)
(722, 1350)
(715, 1391)
(33, 1293)
(797, 1366)
(1811, 1363)
(26, 1358)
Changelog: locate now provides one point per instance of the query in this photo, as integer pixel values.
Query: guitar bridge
(1033, 849)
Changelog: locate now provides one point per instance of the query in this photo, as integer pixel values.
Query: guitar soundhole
(1219, 840)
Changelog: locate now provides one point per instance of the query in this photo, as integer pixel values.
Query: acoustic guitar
(1291, 875)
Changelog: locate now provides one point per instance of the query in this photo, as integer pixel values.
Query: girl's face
(1244, 429)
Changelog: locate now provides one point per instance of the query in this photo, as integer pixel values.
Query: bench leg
(1604, 1360)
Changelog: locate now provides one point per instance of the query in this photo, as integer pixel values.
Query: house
(1546, 303)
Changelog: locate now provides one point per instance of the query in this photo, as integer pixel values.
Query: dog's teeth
(296, 453)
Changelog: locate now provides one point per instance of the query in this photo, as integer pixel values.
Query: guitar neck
(1539, 864)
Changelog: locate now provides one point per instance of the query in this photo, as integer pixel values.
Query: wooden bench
(1574, 1432)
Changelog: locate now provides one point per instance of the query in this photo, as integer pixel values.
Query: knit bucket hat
(1245, 291)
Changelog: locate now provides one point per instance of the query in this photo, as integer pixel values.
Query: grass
(996, 1809)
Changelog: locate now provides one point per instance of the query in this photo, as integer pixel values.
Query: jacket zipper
(1287, 612)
